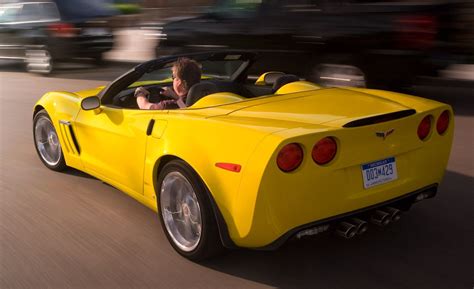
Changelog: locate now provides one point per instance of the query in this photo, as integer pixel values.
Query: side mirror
(90, 103)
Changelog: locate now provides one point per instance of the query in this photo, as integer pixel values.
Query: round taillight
(324, 150)
(424, 128)
(443, 122)
(290, 157)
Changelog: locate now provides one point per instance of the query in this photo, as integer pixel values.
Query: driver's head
(186, 73)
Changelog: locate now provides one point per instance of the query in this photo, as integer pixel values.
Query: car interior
(268, 84)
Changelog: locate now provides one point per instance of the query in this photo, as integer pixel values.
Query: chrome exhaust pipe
(361, 225)
(394, 213)
(380, 218)
(346, 230)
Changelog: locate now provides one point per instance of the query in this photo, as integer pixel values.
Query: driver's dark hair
(188, 70)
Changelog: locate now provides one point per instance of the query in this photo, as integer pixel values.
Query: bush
(127, 8)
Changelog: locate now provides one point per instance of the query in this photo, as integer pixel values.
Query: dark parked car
(341, 42)
(41, 33)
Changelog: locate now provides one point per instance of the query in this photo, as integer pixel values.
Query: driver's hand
(169, 92)
(141, 91)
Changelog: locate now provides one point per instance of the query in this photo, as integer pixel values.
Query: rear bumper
(403, 203)
(271, 203)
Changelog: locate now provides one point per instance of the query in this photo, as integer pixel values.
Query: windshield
(211, 69)
(222, 69)
(225, 67)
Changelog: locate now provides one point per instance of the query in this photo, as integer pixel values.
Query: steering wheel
(154, 90)
(155, 93)
(126, 98)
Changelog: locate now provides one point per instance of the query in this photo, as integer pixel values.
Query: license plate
(379, 172)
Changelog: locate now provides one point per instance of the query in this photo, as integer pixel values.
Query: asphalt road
(69, 230)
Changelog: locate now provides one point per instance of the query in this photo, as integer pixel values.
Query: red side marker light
(230, 167)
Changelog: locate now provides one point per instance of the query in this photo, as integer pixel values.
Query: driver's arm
(142, 101)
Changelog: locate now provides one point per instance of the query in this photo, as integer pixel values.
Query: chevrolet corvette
(250, 161)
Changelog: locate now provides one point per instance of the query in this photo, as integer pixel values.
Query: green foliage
(127, 8)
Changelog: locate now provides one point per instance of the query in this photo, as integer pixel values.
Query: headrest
(271, 77)
(199, 90)
(284, 79)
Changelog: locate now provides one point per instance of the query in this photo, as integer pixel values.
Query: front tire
(185, 212)
(47, 142)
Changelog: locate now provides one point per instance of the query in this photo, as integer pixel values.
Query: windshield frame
(129, 78)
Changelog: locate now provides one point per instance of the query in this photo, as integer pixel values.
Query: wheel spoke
(47, 141)
(188, 234)
(183, 222)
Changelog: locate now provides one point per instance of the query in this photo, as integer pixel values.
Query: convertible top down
(255, 162)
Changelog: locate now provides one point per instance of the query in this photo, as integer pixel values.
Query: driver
(185, 73)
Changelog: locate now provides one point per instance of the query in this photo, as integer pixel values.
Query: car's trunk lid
(334, 107)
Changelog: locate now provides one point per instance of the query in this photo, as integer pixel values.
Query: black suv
(41, 33)
(348, 42)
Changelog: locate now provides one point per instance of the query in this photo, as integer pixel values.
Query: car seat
(199, 90)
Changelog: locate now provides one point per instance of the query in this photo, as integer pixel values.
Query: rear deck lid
(332, 107)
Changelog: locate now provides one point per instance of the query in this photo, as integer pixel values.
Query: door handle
(149, 129)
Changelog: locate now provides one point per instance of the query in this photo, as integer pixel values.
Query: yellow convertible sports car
(250, 162)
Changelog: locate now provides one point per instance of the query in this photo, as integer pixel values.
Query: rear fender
(202, 146)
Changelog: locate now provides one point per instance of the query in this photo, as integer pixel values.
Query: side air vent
(380, 118)
(69, 139)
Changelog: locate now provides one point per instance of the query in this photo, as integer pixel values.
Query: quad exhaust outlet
(361, 225)
(346, 230)
(351, 227)
(385, 216)
(380, 218)
(394, 213)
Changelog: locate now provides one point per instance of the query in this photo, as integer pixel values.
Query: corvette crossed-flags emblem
(384, 134)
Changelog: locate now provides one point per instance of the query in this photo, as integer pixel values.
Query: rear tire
(335, 75)
(47, 142)
(98, 59)
(185, 212)
(339, 69)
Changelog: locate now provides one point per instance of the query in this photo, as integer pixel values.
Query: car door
(113, 143)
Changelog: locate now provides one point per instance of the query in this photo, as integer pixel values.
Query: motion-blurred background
(380, 44)
(71, 231)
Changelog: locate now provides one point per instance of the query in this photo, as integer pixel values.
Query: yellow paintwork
(297, 86)
(260, 203)
(217, 99)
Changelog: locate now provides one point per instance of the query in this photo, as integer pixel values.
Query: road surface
(69, 230)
